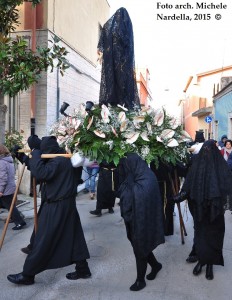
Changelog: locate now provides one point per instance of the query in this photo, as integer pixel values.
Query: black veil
(209, 181)
(118, 78)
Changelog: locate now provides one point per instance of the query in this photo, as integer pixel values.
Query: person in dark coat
(142, 210)
(106, 187)
(221, 143)
(207, 185)
(8, 186)
(59, 240)
(163, 173)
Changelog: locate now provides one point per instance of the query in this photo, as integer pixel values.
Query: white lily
(105, 113)
(100, 134)
(132, 137)
(121, 117)
(172, 143)
(144, 136)
(167, 134)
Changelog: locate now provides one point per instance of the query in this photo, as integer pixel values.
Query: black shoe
(21, 279)
(209, 272)
(96, 212)
(138, 285)
(26, 250)
(154, 272)
(75, 275)
(19, 226)
(192, 259)
(111, 211)
(197, 269)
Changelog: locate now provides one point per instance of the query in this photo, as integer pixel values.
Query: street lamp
(64, 106)
(88, 106)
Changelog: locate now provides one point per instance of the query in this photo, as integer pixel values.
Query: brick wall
(80, 83)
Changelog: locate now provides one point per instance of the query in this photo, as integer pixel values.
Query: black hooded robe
(207, 184)
(107, 185)
(59, 240)
(141, 205)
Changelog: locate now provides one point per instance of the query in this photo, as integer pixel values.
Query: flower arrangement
(12, 138)
(109, 133)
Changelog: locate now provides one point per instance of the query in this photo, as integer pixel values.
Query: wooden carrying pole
(175, 191)
(35, 204)
(69, 155)
(11, 207)
(178, 204)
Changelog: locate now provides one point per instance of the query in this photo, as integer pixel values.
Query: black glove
(80, 181)
(34, 142)
(181, 196)
(16, 154)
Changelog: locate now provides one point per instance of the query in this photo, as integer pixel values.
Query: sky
(174, 50)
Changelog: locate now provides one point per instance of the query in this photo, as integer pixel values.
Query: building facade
(198, 100)
(223, 112)
(77, 24)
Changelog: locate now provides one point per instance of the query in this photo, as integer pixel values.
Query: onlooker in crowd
(222, 141)
(142, 210)
(106, 187)
(8, 186)
(90, 183)
(227, 149)
(59, 240)
(207, 185)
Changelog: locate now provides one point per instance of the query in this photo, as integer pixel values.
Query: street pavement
(112, 263)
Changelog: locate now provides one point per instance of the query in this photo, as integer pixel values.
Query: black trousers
(6, 202)
(141, 265)
(141, 262)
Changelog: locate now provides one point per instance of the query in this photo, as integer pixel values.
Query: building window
(12, 117)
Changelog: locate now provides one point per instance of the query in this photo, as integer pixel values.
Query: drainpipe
(57, 93)
(33, 48)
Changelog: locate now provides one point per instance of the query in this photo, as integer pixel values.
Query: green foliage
(20, 67)
(110, 133)
(12, 138)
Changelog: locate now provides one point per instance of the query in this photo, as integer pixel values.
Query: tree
(20, 67)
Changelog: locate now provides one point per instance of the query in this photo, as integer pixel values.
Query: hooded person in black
(34, 143)
(207, 185)
(142, 210)
(106, 187)
(59, 240)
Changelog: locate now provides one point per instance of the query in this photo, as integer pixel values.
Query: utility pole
(33, 48)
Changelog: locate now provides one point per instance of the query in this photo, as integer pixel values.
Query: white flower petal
(123, 126)
(122, 107)
(90, 123)
(100, 134)
(172, 143)
(144, 136)
(159, 139)
(133, 138)
(167, 134)
(121, 117)
(159, 117)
